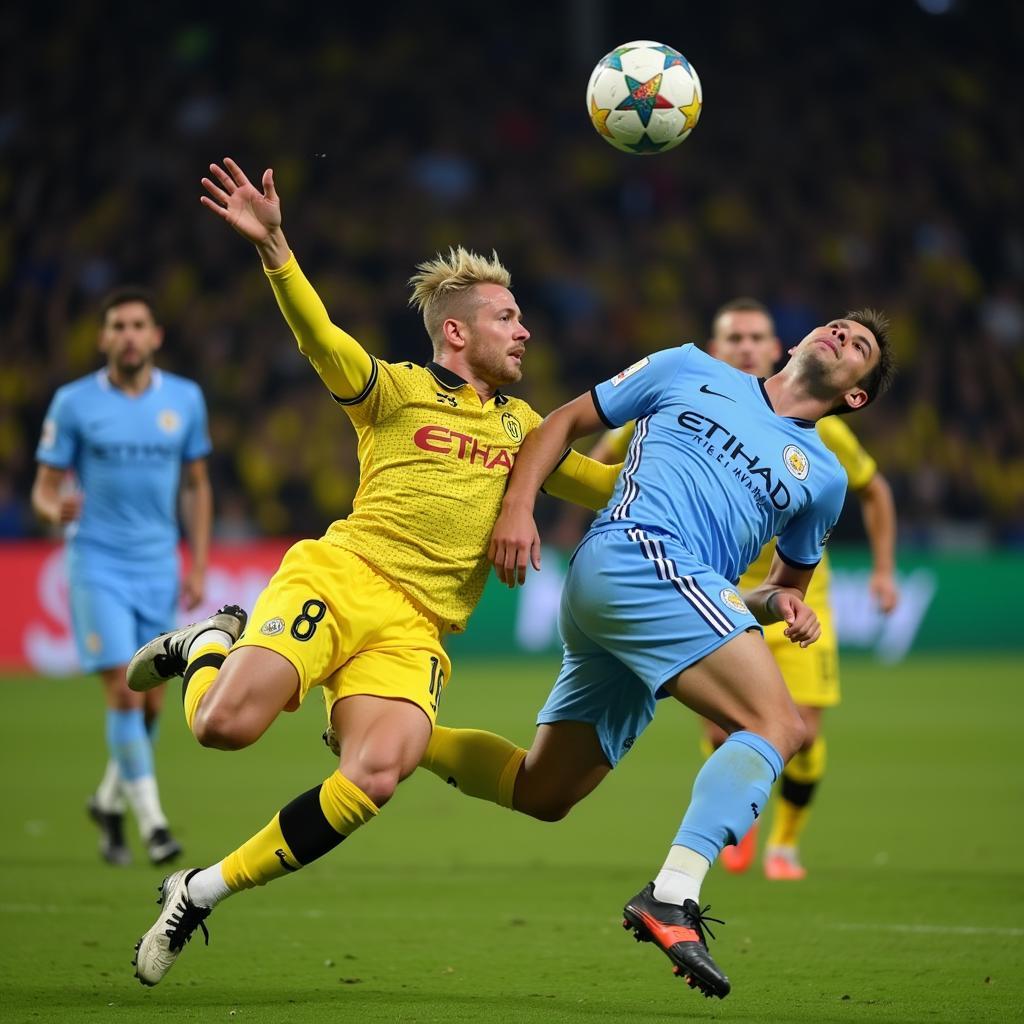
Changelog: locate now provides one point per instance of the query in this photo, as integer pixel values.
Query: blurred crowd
(873, 162)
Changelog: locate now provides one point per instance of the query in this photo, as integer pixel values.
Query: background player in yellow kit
(743, 335)
(362, 611)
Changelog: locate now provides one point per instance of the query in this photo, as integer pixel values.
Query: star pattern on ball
(599, 118)
(644, 97)
(691, 111)
(646, 145)
(673, 58)
(614, 59)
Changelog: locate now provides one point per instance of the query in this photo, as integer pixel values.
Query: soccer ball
(644, 97)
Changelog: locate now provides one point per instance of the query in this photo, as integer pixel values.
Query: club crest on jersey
(629, 371)
(796, 462)
(93, 643)
(512, 426)
(733, 600)
(272, 627)
(168, 421)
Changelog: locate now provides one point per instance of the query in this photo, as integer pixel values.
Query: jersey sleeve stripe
(792, 561)
(600, 412)
(361, 397)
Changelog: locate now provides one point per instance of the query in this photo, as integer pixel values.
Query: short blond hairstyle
(440, 285)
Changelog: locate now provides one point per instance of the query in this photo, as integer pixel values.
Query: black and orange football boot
(678, 931)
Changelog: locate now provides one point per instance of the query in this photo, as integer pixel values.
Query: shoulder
(175, 382)
(83, 389)
(835, 433)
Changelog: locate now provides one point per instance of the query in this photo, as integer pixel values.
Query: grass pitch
(448, 909)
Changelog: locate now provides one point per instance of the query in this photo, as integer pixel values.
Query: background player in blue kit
(719, 464)
(132, 436)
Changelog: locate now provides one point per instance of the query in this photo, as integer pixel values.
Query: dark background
(857, 154)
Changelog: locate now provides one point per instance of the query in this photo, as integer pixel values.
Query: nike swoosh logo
(705, 390)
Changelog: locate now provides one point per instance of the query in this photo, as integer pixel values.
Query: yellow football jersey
(433, 465)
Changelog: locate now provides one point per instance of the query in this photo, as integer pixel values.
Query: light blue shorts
(115, 610)
(637, 608)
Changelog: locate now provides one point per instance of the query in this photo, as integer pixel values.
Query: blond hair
(440, 285)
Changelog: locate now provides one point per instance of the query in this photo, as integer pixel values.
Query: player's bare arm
(879, 512)
(780, 598)
(48, 502)
(197, 518)
(341, 362)
(515, 540)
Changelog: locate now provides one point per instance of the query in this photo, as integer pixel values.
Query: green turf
(448, 909)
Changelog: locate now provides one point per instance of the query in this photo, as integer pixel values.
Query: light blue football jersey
(127, 452)
(713, 465)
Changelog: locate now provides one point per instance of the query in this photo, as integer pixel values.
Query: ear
(159, 331)
(856, 398)
(454, 333)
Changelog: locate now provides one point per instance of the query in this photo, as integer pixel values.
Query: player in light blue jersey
(719, 464)
(117, 448)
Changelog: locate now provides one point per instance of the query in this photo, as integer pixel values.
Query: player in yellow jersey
(362, 612)
(743, 335)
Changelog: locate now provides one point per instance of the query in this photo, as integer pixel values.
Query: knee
(549, 807)
(378, 782)
(793, 735)
(222, 731)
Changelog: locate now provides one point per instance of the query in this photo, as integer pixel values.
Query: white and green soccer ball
(644, 97)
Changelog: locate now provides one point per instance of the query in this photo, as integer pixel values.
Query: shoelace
(700, 920)
(184, 921)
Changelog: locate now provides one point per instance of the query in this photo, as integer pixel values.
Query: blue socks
(129, 744)
(729, 793)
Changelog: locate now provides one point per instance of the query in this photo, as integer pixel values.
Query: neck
(791, 398)
(131, 382)
(455, 362)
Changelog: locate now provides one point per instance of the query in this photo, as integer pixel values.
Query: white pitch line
(929, 929)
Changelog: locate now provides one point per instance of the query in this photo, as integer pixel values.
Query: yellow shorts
(347, 629)
(811, 673)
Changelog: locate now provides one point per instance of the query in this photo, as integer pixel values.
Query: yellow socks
(202, 670)
(479, 763)
(307, 828)
(799, 780)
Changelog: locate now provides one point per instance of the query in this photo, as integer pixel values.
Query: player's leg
(738, 686)
(595, 712)
(735, 857)
(132, 749)
(812, 676)
(792, 806)
(383, 671)
(102, 606)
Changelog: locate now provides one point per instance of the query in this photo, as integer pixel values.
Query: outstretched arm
(342, 363)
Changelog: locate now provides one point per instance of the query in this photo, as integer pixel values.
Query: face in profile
(496, 337)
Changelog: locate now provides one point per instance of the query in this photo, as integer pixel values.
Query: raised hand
(255, 215)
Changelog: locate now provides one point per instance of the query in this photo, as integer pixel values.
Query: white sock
(144, 800)
(680, 877)
(108, 792)
(207, 637)
(206, 888)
